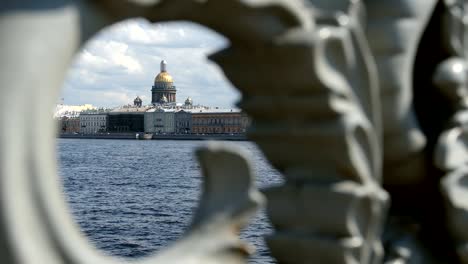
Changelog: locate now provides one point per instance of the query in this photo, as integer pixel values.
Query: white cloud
(102, 55)
(119, 57)
(181, 32)
(89, 59)
(121, 98)
(122, 61)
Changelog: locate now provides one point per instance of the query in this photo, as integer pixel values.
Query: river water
(132, 198)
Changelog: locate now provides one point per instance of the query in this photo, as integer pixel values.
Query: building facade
(69, 124)
(183, 122)
(160, 121)
(219, 121)
(163, 90)
(127, 119)
(92, 122)
(126, 122)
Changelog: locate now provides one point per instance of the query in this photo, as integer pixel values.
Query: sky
(121, 62)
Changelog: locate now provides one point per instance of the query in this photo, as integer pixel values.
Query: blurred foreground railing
(330, 89)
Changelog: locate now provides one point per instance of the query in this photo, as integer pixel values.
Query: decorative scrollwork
(34, 224)
(331, 103)
(322, 132)
(451, 153)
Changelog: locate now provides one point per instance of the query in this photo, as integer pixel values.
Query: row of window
(87, 118)
(215, 121)
(217, 130)
(93, 123)
(183, 124)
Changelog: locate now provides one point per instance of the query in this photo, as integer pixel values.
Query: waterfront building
(163, 116)
(69, 124)
(127, 119)
(160, 121)
(219, 121)
(93, 121)
(163, 90)
(183, 122)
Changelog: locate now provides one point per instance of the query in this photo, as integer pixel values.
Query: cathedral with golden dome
(163, 90)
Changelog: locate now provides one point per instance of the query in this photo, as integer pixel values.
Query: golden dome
(163, 77)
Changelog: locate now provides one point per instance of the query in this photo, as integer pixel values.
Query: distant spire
(163, 65)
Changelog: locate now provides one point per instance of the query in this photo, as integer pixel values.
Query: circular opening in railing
(137, 101)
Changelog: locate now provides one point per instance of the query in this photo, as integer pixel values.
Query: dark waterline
(132, 198)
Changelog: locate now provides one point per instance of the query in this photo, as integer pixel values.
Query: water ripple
(131, 198)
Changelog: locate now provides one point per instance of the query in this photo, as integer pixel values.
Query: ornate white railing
(330, 90)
